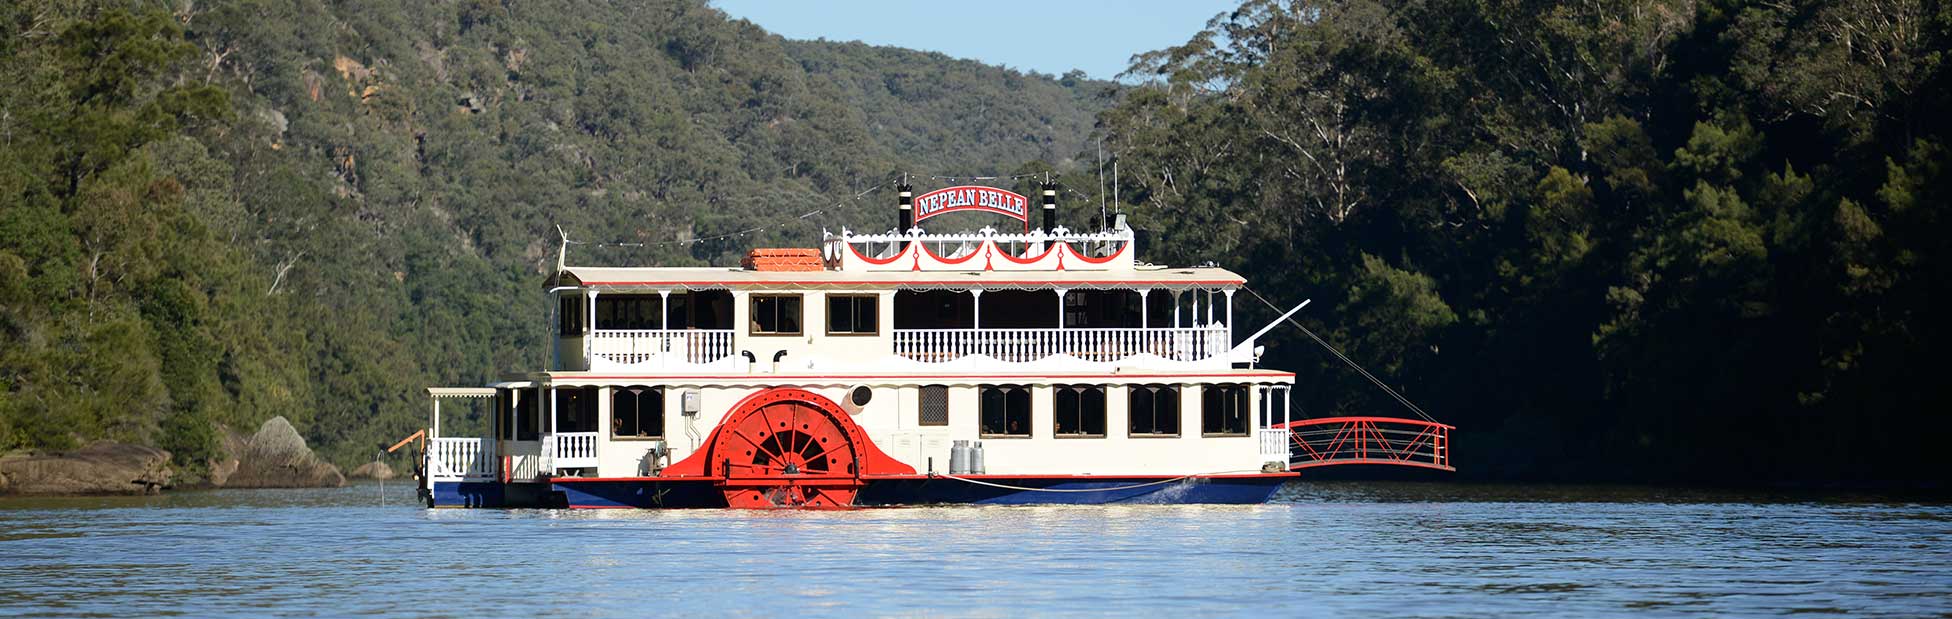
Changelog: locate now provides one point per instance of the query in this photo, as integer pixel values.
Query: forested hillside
(1637, 240)
(225, 211)
(1641, 240)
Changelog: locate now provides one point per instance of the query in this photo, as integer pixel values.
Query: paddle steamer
(902, 368)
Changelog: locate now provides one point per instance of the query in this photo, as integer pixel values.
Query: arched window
(1079, 410)
(1153, 410)
(637, 412)
(1005, 410)
(1223, 410)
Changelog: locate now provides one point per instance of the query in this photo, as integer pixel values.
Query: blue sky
(1098, 36)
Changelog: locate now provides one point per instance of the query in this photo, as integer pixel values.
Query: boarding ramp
(1333, 441)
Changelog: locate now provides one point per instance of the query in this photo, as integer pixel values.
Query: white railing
(1025, 345)
(461, 458)
(1274, 444)
(572, 450)
(660, 345)
(948, 245)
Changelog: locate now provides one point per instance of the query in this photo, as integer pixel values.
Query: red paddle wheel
(786, 447)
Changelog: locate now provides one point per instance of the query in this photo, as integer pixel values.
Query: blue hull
(703, 494)
(490, 494)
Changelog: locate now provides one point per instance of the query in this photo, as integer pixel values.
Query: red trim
(802, 378)
(1074, 254)
(1006, 255)
(926, 476)
(973, 254)
(1323, 421)
(857, 254)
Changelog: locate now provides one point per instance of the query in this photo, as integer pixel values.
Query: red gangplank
(1332, 441)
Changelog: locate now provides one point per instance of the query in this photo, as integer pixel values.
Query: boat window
(637, 412)
(1223, 410)
(576, 409)
(1006, 410)
(569, 313)
(1273, 405)
(504, 415)
(934, 410)
(775, 314)
(1079, 410)
(1153, 410)
(852, 314)
(629, 312)
(527, 427)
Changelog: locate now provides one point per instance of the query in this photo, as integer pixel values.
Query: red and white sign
(973, 198)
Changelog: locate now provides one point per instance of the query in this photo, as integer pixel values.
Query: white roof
(699, 278)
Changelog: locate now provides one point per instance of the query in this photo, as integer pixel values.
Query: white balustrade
(574, 450)
(1025, 345)
(660, 345)
(461, 458)
(1274, 444)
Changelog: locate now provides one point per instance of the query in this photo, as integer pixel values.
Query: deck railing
(1024, 345)
(573, 450)
(461, 458)
(1369, 440)
(1274, 444)
(650, 345)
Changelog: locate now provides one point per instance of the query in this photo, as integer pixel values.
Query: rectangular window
(852, 314)
(1079, 411)
(576, 409)
(569, 313)
(637, 412)
(504, 414)
(1274, 405)
(934, 410)
(1153, 410)
(1223, 410)
(629, 312)
(1006, 411)
(527, 422)
(775, 314)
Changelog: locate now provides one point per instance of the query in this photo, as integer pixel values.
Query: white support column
(552, 410)
(1196, 306)
(1060, 307)
(1175, 309)
(1209, 307)
(589, 311)
(976, 322)
(1143, 321)
(663, 310)
(1230, 316)
(435, 429)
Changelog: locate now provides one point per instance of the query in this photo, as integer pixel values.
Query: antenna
(1116, 205)
(1101, 181)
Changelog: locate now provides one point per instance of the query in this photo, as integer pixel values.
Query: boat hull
(656, 493)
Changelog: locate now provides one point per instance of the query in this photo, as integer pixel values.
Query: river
(1320, 549)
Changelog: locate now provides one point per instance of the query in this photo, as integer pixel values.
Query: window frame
(752, 315)
(1179, 414)
(921, 404)
(1245, 412)
(1029, 408)
(656, 394)
(1104, 413)
(854, 297)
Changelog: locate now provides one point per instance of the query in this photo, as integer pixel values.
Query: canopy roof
(701, 278)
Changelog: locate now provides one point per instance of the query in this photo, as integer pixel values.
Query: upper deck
(1047, 299)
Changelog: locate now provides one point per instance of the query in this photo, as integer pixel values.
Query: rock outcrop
(102, 467)
(275, 457)
(373, 470)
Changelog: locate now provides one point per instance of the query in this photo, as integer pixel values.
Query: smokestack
(906, 204)
(1050, 207)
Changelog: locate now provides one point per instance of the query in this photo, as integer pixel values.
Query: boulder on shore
(102, 467)
(276, 457)
(373, 470)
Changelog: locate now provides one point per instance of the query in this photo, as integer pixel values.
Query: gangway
(1331, 441)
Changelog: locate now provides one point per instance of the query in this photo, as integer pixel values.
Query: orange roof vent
(790, 259)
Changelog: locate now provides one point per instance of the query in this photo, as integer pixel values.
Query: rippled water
(1321, 549)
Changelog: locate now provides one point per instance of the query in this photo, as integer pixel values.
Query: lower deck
(907, 490)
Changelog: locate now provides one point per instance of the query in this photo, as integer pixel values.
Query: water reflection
(1324, 548)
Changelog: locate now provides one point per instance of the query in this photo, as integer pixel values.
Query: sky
(1097, 36)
